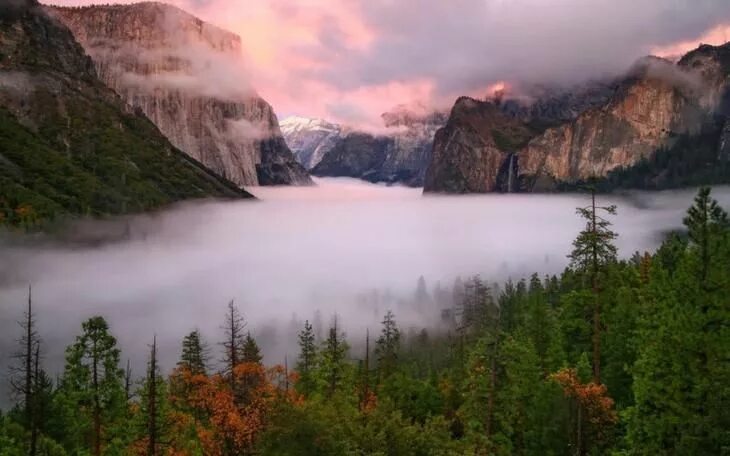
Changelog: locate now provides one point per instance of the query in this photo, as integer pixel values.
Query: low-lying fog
(344, 246)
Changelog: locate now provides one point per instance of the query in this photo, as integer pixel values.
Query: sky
(349, 61)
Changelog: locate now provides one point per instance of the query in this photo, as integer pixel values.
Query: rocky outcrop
(470, 150)
(655, 103)
(187, 77)
(644, 114)
(68, 144)
(355, 155)
(400, 154)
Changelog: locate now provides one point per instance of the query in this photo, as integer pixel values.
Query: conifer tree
(22, 372)
(152, 402)
(307, 359)
(704, 221)
(333, 358)
(250, 352)
(194, 355)
(387, 346)
(592, 250)
(92, 378)
(233, 326)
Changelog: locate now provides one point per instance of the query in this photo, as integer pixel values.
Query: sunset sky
(350, 60)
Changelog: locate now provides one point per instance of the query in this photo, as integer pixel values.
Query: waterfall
(510, 173)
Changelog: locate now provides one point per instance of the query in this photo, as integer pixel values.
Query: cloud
(242, 130)
(295, 251)
(325, 58)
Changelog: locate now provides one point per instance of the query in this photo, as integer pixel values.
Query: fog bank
(298, 250)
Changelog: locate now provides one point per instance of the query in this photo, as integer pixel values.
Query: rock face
(355, 155)
(68, 144)
(399, 155)
(310, 139)
(470, 150)
(187, 77)
(645, 111)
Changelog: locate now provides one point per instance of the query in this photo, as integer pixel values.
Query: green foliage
(306, 363)
(507, 375)
(387, 346)
(90, 158)
(90, 401)
(194, 353)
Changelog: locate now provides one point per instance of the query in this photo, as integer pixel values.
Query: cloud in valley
(344, 246)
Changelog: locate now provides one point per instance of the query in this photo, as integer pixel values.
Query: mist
(344, 246)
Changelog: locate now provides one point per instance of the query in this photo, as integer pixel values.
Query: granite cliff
(621, 126)
(68, 144)
(187, 77)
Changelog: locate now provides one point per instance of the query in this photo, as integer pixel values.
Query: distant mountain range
(400, 154)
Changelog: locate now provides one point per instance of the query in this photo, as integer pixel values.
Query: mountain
(187, 76)
(309, 139)
(68, 144)
(399, 154)
(654, 128)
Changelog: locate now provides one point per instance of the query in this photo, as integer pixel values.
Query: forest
(614, 356)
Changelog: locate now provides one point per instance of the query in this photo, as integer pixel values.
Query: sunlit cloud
(351, 60)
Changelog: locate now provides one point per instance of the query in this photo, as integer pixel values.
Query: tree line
(612, 356)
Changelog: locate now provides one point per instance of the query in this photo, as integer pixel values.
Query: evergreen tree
(592, 250)
(250, 352)
(704, 221)
(233, 326)
(333, 359)
(152, 402)
(194, 355)
(307, 359)
(92, 392)
(23, 379)
(387, 346)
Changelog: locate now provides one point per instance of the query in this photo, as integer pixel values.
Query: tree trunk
(596, 301)
(97, 404)
(152, 402)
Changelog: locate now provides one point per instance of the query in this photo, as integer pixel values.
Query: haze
(296, 251)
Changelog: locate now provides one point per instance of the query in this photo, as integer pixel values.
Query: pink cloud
(715, 36)
(349, 61)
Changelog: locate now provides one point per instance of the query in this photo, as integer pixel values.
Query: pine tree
(704, 221)
(333, 358)
(152, 399)
(387, 346)
(22, 373)
(250, 352)
(307, 359)
(92, 378)
(194, 355)
(592, 250)
(233, 326)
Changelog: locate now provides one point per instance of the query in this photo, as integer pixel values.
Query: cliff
(188, 78)
(470, 150)
(645, 112)
(68, 144)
